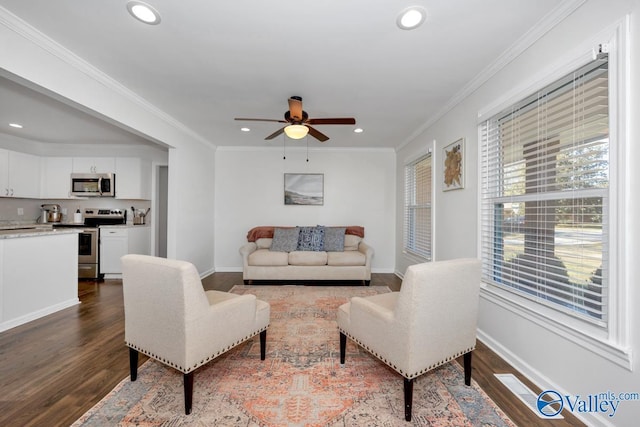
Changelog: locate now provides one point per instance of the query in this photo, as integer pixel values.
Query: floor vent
(525, 394)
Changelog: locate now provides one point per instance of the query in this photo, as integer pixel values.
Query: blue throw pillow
(311, 239)
(285, 239)
(334, 239)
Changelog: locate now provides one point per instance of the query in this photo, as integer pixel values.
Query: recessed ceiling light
(358, 130)
(245, 129)
(411, 17)
(15, 125)
(143, 12)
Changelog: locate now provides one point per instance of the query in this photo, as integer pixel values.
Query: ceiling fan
(299, 122)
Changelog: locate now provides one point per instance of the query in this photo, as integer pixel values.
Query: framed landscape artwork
(303, 189)
(453, 166)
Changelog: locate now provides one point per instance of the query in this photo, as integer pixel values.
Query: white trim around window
(612, 341)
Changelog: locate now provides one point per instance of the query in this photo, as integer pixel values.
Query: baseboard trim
(239, 270)
(12, 323)
(536, 377)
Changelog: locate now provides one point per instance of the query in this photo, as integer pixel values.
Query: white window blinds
(417, 212)
(545, 183)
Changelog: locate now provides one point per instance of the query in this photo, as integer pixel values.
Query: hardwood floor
(56, 368)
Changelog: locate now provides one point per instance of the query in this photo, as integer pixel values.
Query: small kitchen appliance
(93, 184)
(51, 213)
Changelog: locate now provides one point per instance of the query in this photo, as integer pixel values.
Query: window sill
(581, 333)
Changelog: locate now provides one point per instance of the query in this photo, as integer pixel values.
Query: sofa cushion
(351, 242)
(285, 239)
(346, 258)
(307, 258)
(334, 239)
(265, 257)
(311, 239)
(263, 243)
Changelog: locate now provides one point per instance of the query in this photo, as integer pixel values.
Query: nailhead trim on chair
(203, 361)
(391, 365)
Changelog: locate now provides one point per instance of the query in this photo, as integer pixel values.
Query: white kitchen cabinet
(4, 173)
(94, 165)
(116, 242)
(56, 177)
(19, 174)
(133, 178)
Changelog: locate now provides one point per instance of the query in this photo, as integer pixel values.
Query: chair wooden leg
(343, 347)
(263, 344)
(408, 398)
(467, 368)
(188, 392)
(133, 363)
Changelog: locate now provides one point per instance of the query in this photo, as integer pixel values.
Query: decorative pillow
(351, 242)
(264, 243)
(311, 239)
(285, 239)
(334, 239)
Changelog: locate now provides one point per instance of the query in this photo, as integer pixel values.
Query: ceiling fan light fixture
(296, 131)
(143, 12)
(411, 17)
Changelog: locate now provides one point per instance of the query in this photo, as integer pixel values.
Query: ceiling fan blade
(276, 133)
(332, 121)
(295, 108)
(317, 134)
(260, 120)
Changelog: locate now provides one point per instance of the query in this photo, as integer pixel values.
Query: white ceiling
(210, 61)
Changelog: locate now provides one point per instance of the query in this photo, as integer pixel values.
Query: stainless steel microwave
(93, 184)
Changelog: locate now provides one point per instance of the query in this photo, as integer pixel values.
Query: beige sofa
(262, 263)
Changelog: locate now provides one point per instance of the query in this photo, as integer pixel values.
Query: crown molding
(546, 24)
(294, 149)
(28, 32)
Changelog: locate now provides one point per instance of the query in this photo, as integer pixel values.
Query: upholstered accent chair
(431, 321)
(171, 318)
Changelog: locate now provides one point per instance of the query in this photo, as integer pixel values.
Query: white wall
(358, 190)
(549, 357)
(190, 212)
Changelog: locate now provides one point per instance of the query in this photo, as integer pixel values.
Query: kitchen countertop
(127, 225)
(32, 230)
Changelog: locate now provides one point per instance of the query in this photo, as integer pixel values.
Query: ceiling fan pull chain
(284, 157)
(307, 138)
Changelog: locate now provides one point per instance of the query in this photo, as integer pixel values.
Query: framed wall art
(453, 166)
(303, 189)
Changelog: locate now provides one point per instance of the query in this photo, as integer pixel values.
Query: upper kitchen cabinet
(19, 174)
(94, 165)
(133, 178)
(56, 177)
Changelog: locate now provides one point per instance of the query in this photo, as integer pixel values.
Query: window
(545, 195)
(417, 208)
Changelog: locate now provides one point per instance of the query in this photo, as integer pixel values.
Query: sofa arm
(246, 250)
(367, 251)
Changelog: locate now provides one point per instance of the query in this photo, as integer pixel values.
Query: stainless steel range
(89, 238)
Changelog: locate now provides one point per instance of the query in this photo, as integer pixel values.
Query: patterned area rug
(301, 383)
